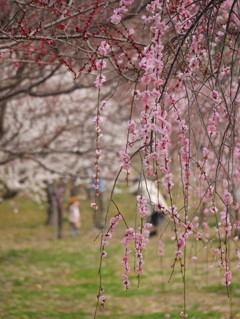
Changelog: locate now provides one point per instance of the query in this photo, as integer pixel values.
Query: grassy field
(42, 279)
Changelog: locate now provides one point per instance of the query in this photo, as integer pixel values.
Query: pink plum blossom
(214, 95)
(131, 126)
(116, 18)
(126, 2)
(100, 79)
(227, 198)
(94, 206)
(183, 314)
(101, 64)
(103, 48)
(228, 277)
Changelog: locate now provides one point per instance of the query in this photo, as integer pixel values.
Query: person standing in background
(74, 216)
(155, 199)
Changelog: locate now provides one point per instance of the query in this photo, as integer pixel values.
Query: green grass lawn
(41, 278)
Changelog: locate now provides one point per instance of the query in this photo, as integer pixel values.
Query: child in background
(74, 217)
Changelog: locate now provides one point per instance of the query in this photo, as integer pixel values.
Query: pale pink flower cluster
(140, 243)
(103, 252)
(100, 79)
(157, 158)
(220, 231)
(98, 151)
(108, 235)
(174, 216)
(189, 228)
(129, 235)
(206, 152)
(184, 153)
(149, 161)
(180, 243)
(114, 221)
(131, 125)
(118, 12)
(236, 225)
(198, 236)
(167, 181)
(146, 230)
(210, 192)
(94, 206)
(126, 2)
(101, 64)
(213, 209)
(160, 206)
(197, 54)
(202, 165)
(139, 246)
(153, 6)
(105, 243)
(236, 206)
(228, 277)
(95, 185)
(160, 248)
(183, 314)
(183, 22)
(215, 95)
(101, 298)
(141, 206)
(155, 128)
(97, 120)
(125, 159)
(127, 269)
(131, 31)
(227, 198)
(226, 223)
(212, 128)
(103, 48)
